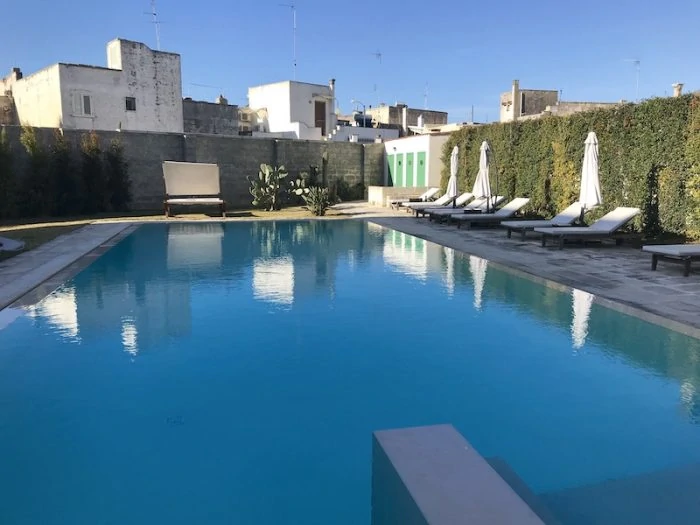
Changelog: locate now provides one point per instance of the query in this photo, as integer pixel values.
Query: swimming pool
(233, 373)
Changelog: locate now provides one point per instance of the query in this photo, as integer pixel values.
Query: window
(130, 104)
(82, 105)
(244, 117)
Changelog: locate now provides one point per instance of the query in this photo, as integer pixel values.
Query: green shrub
(692, 185)
(7, 178)
(298, 188)
(318, 200)
(94, 181)
(117, 175)
(266, 188)
(341, 191)
(36, 190)
(68, 194)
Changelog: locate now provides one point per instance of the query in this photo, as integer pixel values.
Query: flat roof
(290, 82)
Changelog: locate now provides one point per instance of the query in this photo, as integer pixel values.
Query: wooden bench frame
(685, 260)
(619, 238)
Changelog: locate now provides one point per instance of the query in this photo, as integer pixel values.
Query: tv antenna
(155, 22)
(378, 56)
(425, 96)
(294, 35)
(637, 64)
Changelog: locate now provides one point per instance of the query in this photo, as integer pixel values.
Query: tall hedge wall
(649, 157)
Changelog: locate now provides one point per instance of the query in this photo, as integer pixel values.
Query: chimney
(333, 117)
(515, 94)
(677, 89)
(404, 119)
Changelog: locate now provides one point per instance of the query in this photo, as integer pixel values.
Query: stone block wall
(237, 158)
(209, 117)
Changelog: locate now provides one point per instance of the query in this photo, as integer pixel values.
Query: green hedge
(649, 158)
(57, 178)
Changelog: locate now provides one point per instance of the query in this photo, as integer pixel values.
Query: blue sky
(466, 52)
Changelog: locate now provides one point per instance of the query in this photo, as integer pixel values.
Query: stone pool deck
(619, 277)
(34, 270)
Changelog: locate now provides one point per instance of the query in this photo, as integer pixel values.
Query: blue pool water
(234, 374)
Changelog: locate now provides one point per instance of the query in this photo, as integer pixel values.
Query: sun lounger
(607, 227)
(496, 217)
(459, 203)
(192, 184)
(476, 207)
(682, 253)
(423, 197)
(10, 245)
(442, 201)
(563, 218)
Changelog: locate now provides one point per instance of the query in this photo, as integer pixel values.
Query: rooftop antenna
(156, 23)
(378, 56)
(294, 35)
(425, 96)
(637, 64)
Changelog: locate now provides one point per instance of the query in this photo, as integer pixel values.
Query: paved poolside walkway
(620, 274)
(26, 271)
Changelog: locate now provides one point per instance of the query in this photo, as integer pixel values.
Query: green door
(409, 170)
(420, 169)
(390, 170)
(399, 179)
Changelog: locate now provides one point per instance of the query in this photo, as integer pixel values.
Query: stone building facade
(139, 90)
(526, 104)
(402, 117)
(214, 118)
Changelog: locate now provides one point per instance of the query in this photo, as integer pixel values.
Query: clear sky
(467, 53)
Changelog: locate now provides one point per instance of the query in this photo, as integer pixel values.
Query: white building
(295, 109)
(412, 164)
(140, 90)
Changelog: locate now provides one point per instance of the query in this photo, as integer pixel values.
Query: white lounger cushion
(195, 200)
(476, 205)
(442, 201)
(508, 210)
(563, 218)
(423, 196)
(607, 224)
(674, 250)
(459, 202)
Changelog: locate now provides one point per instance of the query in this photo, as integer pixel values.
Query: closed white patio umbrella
(452, 182)
(482, 185)
(590, 195)
(477, 267)
(581, 305)
(449, 270)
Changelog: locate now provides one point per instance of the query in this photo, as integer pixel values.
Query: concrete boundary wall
(237, 158)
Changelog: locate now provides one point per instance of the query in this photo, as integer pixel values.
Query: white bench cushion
(195, 200)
